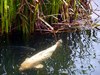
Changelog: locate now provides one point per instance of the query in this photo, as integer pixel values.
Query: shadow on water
(78, 55)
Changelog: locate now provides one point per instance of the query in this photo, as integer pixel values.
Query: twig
(46, 23)
(28, 4)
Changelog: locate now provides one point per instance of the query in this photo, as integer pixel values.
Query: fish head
(25, 65)
(29, 63)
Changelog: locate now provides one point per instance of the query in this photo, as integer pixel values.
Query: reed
(24, 15)
(7, 14)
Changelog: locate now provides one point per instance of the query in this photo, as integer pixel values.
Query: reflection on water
(96, 11)
(79, 55)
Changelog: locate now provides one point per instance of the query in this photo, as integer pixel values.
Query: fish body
(35, 60)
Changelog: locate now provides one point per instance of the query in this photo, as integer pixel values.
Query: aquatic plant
(8, 11)
(41, 15)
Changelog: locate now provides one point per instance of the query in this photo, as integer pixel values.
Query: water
(78, 55)
(96, 8)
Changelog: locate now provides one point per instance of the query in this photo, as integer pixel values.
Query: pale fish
(35, 60)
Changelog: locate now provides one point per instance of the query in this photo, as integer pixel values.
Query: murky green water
(78, 55)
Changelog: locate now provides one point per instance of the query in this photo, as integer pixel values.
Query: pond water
(78, 55)
(96, 8)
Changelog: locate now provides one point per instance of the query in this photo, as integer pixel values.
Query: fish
(36, 60)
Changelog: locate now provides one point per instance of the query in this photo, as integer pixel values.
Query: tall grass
(24, 14)
(7, 14)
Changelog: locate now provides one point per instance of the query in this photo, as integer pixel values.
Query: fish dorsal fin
(38, 66)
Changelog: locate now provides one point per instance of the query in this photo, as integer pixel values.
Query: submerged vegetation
(43, 15)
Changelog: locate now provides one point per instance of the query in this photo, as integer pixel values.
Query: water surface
(78, 55)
